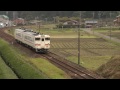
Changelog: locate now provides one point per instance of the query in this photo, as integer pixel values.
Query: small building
(4, 20)
(89, 24)
(3, 17)
(35, 22)
(71, 22)
(117, 21)
(19, 21)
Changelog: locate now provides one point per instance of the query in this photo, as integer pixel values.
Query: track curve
(75, 71)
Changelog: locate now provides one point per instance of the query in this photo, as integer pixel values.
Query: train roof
(31, 32)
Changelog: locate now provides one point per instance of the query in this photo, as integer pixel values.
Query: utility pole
(7, 13)
(15, 15)
(99, 14)
(93, 21)
(39, 27)
(110, 25)
(79, 39)
(46, 20)
(54, 19)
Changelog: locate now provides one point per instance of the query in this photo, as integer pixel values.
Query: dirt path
(101, 35)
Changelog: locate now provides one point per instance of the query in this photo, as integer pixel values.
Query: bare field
(93, 51)
(89, 46)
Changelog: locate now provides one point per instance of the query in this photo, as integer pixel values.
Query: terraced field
(93, 51)
(89, 46)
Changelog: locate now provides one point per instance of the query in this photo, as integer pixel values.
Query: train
(38, 42)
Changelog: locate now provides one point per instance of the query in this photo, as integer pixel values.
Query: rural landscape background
(94, 35)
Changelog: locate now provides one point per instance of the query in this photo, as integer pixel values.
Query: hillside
(111, 69)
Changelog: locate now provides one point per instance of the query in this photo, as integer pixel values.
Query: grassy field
(94, 51)
(44, 66)
(114, 32)
(90, 62)
(49, 69)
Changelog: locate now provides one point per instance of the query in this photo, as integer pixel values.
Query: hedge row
(22, 69)
(5, 71)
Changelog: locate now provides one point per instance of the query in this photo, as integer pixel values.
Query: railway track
(6, 37)
(74, 70)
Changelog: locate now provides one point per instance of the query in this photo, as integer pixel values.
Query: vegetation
(49, 69)
(111, 69)
(5, 71)
(19, 66)
(90, 62)
(44, 66)
(106, 28)
(51, 15)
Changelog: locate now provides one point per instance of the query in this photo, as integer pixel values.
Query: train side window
(42, 39)
(37, 39)
(47, 38)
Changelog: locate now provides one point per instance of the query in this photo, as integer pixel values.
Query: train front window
(47, 38)
(37, 39)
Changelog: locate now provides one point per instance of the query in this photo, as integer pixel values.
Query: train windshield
(47, 38)
(37, 39)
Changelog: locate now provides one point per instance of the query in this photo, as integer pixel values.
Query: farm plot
(92, 50)
(97, 46)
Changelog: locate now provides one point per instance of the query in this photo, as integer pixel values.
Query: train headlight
(37, 44)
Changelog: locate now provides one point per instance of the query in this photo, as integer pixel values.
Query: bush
(5, 71)
(22, 69)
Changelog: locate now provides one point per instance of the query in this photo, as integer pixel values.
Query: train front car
(42, 43)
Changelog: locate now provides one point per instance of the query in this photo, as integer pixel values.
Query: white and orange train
(38, 42)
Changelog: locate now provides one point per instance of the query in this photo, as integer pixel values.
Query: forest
(49, 15)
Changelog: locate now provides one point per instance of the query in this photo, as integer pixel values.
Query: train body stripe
(29, 41)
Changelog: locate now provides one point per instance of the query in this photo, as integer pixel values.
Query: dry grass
(111, 69)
